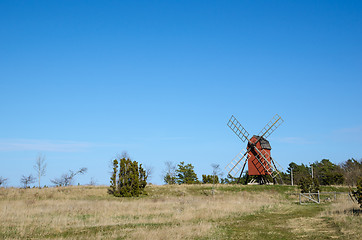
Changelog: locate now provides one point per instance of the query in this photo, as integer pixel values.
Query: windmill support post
(280, 177)
(247, 178)
(241, 172)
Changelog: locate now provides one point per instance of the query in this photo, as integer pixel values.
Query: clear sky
(83, 81)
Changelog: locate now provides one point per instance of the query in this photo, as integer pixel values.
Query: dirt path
(282, 222)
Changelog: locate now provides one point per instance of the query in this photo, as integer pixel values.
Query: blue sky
(83, 81)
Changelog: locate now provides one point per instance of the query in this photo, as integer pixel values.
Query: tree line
(40, 166)
(129, 178)
(309, 178)
(322, 172)
(325, 172)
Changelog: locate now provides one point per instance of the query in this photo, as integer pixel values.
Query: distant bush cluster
(183, 174)
(325, 172)
(308, 177)
(210, 179)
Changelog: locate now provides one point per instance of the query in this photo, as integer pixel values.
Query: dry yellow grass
(347, 216)
(335, 222)
(172, 212)
(169, 212)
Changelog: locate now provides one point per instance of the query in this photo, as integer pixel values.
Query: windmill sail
(238, 129)
(257, 154)
(236, 164)
(273, 124)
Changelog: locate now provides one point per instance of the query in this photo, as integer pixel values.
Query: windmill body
(256, 167)
(257, 153)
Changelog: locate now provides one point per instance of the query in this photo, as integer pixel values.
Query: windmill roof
(264, 143)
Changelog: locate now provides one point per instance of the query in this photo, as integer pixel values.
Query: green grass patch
(280, 222)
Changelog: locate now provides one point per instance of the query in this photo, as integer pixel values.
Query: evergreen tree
(113, 186)
(286, 178)
(186, 174)
(132, 179)
(309, 184)
(142, 177)
(358, 193)
(168, 179)
(327, 172)
(299, 172)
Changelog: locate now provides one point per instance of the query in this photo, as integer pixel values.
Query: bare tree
(352, 170)
(124, 154)
(67, 178)
(3, 181)
(149, 171)
(40, 167)
(92, 182)
(27, 180)
(216, 173)
(170, 173)
(118, 157)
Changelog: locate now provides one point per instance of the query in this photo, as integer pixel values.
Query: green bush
(168, 179)
(128, 179)
(210, 179)
(308, 184)
(358, 193)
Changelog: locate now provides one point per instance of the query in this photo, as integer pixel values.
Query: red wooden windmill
(257, 153)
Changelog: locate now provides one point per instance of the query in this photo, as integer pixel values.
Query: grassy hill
(175, 212)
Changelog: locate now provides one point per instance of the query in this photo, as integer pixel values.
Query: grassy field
(175, 212)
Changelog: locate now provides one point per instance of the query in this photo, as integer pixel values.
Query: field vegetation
(175, 212)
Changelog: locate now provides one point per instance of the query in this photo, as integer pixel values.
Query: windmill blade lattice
(236, 164)
(238, 129)
(277, 166)
(273, 124)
